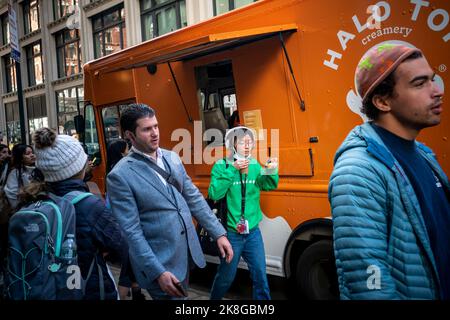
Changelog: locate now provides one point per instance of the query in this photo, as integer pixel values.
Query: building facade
(56, 37)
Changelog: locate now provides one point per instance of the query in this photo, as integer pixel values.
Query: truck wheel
(316, 272)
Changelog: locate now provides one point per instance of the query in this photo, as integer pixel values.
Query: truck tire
(316, 272)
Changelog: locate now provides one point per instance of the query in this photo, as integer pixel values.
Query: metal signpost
(15, 55)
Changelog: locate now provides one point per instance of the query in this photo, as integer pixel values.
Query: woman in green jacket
(240, 178)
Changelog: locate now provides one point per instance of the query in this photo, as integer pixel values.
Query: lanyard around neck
(243, 193)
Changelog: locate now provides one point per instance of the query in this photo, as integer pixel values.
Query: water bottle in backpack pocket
(69, 249)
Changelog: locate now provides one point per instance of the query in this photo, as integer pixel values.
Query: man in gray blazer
(156, 215)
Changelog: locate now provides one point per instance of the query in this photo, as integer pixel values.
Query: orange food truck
(287, 68)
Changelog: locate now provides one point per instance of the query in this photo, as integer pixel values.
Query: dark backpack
(220, 209)
(208, 244)
(35, 268)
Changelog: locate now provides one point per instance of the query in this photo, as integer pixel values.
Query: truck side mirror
(79, 124)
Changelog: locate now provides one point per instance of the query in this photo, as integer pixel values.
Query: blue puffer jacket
(377, 222)
(97, 231)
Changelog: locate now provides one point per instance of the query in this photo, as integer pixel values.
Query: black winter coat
(97, 232)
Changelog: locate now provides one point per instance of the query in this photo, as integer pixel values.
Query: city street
(202, 279)
(302, 137)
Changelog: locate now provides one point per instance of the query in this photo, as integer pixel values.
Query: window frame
(30, 56)
(121, 24)
(62, 46)
(11, 84)
(79, 102)
(4, 26)
(31, 103)
(27, 16)
(91, 126)
(231, 5)
(118, 108)
(14, 106)
(211, 95)
(57, 4)
(152, 12)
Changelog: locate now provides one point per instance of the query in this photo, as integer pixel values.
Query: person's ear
(381, 103)
(130, 135)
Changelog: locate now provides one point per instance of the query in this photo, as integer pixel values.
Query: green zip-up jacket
(227, 181)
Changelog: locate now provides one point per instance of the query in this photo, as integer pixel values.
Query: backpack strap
(101, 281)
(100, 277)
(163, 173)
(76, 196)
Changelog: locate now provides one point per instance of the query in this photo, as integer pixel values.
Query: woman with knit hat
(63, 163)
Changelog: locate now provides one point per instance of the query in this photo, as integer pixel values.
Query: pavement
(193, 293)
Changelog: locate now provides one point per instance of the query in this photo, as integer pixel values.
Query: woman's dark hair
(384, 89)
(18, 152)
(132, 113)
(36, 190)
(114, 153)
(2, 147)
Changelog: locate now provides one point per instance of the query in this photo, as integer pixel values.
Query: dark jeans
(251, 248)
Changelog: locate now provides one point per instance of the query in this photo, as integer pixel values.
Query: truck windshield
(110, 119)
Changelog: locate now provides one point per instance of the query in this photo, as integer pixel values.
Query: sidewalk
(193, 294)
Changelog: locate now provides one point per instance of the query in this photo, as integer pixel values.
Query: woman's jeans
(251, 248)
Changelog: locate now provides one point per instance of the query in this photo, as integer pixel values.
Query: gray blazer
(157, 222)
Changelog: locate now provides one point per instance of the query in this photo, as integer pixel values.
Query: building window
(109, 31)
(68, 50)
(69, 104)
(222, 6)
(4, 29)
(34, 64)
(159, 17)
(62, 8)
(36, 113)
(10, 74)
(12, 123)
(31, 15)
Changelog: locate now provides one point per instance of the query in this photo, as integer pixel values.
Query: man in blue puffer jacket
(389, 196)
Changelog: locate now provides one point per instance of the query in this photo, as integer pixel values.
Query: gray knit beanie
(59, 157)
